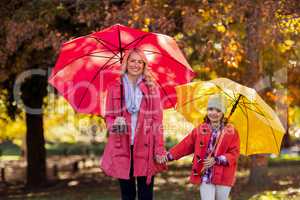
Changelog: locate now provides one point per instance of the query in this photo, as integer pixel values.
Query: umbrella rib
(234, 106)
(249, 108)
(120, 44)
(102, 42)
(105, 50)
(163, 89)
(272, 130)
(167, 56)
(224, 92)
(99, 39)
(242, 109)
(257, 112)
(94, 77)
(104, 57)
(89, 54)
(246, 114)
(140, 38)
(195, 99)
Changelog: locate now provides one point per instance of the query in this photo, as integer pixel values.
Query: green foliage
(170, 142)
(7, 148)
(75, 149)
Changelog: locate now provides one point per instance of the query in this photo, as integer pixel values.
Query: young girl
(216, 148)
(134, 117)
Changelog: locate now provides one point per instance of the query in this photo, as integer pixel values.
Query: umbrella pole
(234, 107)
(120, 45)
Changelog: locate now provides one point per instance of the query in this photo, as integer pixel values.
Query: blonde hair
(146, 71)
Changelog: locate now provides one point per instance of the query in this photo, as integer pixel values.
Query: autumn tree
(31, 34)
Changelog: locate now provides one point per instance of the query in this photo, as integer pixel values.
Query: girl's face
(135, 64)
(214, 115)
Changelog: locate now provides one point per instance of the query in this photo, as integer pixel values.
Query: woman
(216, 149)
(134, 118)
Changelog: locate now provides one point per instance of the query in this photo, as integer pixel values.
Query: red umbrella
(86, 65)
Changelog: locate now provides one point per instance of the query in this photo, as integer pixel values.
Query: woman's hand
(119, 125)
(119, 121)
(161, 159)
(209, 162)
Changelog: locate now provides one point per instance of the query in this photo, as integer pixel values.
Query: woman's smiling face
(135, 64)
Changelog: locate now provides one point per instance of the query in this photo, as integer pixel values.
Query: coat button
(198, 159)
(201, 144)
(195, 173)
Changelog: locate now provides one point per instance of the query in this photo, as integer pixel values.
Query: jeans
(214, 192)
(128, 187)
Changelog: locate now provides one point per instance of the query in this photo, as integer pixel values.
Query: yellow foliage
(220, 27)
(286, 45)
(189, 50)
(147, 21)
(289, 23)
(205, 14)
(178, 36)
(233, 54)
(146, 29)
(12, 129)
(289, 42)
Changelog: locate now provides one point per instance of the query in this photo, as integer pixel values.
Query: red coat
(148, 138)
(197, 141)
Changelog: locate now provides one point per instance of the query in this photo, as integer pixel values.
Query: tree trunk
(33, 92)
(36, 154)
(253, 72)
(259, 171)
(259, 163)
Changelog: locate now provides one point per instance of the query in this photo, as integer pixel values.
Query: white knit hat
(217, 101)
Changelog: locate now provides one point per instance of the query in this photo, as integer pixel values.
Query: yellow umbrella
(258, 125)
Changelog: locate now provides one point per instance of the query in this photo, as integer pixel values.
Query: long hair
(146, 71)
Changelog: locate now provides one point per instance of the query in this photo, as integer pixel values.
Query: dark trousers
(128, 187)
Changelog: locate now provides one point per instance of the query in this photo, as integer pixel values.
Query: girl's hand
(161, 159)
(208, 162)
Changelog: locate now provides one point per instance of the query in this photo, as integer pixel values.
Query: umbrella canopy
(258, 125)
(86, 65)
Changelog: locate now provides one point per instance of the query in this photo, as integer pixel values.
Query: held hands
(161, 159)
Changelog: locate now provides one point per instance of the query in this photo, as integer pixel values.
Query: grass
(10, 149)
(74, 149)
(9, 157)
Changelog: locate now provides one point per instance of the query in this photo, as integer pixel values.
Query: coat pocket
(143, 146)
(119, 143)
(229, 172)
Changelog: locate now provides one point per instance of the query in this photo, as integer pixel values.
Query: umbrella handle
(212, 151)
(121, 99)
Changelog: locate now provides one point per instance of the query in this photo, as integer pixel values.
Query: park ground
(90, 183)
